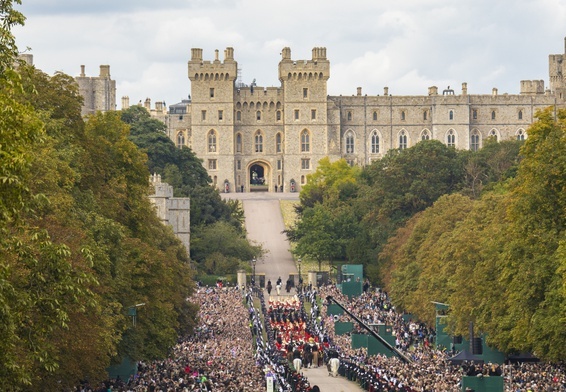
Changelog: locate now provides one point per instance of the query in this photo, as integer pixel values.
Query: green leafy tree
(222, 238)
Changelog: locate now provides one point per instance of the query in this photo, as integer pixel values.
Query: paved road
(264, 224)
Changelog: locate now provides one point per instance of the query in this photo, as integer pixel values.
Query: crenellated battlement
(216, 70)
(316, 69)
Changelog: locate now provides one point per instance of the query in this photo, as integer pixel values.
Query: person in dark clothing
(269, 287)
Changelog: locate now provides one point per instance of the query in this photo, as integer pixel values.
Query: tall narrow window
(521, 135)
(402, 140)
(475, 141)
(402, 115)
(258, 115)
(374, 116)
(305, 141)
(220, 115)
(212, 141)
(296, 114)
(493, 134)
(349, 142)
(203, 115)
(305, 92)
(305, 164)
(278, 115)
(238, 165)
(425, 115)
(211, 93)
(212, 164)
(239, 143)
(278, 144)
(375, 142)
(313, 114)
(349, 116)
(258, 141)
(493, 114)
(451, 138)
(180, 139)
(239, 116)
(474, 114)
(520, 115)
(451, 115)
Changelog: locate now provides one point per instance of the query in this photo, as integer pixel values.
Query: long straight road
(264, 225)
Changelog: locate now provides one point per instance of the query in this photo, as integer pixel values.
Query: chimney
(105, 71)
(433, 90)
(82, 71)
(386, 91)
(359, 91)
(229, 54)
(196, 54)
(464, 88)
(494, 92)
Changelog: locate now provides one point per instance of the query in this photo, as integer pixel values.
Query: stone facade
(267, 138)
(172, 211)
(98, 92)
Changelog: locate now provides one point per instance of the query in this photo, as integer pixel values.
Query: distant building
(172, 211)
(271, 138)
(98, 92)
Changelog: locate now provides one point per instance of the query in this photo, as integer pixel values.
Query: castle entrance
(258, 175)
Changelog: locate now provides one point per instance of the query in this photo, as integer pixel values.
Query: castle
(270, 138)
(172, 211)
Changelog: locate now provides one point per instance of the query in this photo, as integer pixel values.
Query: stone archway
(259, 176)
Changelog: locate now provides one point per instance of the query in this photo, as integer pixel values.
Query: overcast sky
(407, 45)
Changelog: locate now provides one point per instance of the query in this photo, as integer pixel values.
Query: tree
(221, 238)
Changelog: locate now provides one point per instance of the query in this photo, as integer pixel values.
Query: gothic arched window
(349, 142)
(402, 140)
(180, 139)
(451, 138)
(239, 143)
(305, 141)
(278, 143)
(475, 140)
(374, 142)
(493, 134)
(258, 141)
(212, 141)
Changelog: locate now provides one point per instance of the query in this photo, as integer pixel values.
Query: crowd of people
(242, 338)
(429, 369)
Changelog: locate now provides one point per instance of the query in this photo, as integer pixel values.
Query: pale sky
(406, 45)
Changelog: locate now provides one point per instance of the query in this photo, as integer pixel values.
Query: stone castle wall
(98, 92)
(223, 120)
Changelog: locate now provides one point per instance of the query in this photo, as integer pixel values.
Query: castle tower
(556, 68)
(99, 93)
(304, 83)
(212, 112)
(172, 211)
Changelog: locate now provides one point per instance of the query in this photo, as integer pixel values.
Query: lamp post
(253, 271)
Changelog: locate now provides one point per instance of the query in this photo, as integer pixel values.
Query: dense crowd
(429, 369)
(219, 356)
(241, 338)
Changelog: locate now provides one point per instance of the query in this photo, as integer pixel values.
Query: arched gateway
(259, 176)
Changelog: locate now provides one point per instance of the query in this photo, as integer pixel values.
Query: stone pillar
(312, 278)
(241, 278)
